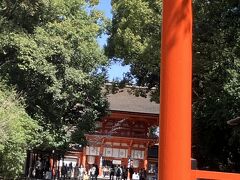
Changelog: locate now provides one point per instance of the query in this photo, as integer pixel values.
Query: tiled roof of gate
(123, 100)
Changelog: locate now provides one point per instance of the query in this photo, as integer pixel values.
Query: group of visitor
(68, 171)
(40, 169)
(121, 173)
(76, 172)
(141, 175)
(80, 173)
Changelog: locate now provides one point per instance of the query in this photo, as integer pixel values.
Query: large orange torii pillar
(176, 90)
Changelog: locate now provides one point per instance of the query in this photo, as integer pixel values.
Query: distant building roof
(123, 100)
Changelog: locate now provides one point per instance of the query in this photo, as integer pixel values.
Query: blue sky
(116, 70)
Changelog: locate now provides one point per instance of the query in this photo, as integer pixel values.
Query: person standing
(39, 168)
(112, 172)
(64, 171)
(96, 172)
(104, 171)
(70, 170)
(81, 172)
(118, 173)
(144, 174)
(124, 173)
(76, 172)
(131, 171)
(92, 172)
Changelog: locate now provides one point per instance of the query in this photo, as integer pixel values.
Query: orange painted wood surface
(127, 124)
(176, 90)
(212, 175)
(175, 98)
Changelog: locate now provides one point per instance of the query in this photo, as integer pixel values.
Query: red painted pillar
(176, 90)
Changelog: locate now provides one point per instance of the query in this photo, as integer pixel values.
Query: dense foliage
(18, 132)
(135, 38)
(49, 52)
(216, 83)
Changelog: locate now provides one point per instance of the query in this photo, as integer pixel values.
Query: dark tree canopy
(216, 83)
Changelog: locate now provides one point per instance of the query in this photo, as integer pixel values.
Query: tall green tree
(216, 83)
(49, 52)
(18, 132)
(135, 38)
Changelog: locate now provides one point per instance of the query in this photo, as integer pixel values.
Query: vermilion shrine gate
(175, 98)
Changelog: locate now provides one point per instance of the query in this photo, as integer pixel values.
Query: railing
(212, 175)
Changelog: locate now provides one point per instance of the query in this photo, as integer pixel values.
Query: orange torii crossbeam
(176, 90)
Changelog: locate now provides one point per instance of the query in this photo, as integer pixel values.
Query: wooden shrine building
(123, 137)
